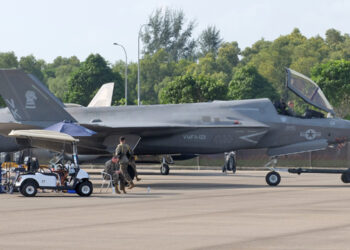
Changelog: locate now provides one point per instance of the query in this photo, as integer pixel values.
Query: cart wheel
(273, 178)
(29, 188)
(345, 177)
(85, 188)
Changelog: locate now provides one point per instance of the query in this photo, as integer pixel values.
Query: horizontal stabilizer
(297, 148)
(29, 100)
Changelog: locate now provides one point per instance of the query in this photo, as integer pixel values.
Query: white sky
(51, 28)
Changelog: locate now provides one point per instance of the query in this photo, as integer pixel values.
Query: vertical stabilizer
(29, 100)
(103, 97)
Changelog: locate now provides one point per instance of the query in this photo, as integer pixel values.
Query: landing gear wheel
(164, 169)
(273, 178)
(84, 189)
(345, 177)
(232, 164)
(29, 188)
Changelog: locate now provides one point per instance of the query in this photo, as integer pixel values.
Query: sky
(51, 28)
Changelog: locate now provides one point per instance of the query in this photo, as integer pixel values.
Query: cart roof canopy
(40, 134)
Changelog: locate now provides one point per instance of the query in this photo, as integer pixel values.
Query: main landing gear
(164, 167)
(230, 162)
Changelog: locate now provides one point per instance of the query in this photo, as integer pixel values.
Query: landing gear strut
(230, 162)
(164, 167)
(272, 178)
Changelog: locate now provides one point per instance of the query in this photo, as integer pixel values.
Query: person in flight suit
(112, 168)
(124, 154)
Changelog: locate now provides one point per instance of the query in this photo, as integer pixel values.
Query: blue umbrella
(71, 128)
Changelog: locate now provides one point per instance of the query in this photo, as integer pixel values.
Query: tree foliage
(247, 83)
(209, 41)
(58, 74)
(32, 66)
(333, 78)
(167, 30)
(193, 88)
(84, 83)
(8, 60)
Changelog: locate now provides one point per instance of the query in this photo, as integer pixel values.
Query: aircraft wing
(297, 148)
(157, 128)
(251, 132)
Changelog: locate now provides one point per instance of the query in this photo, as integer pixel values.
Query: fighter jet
(185, 129)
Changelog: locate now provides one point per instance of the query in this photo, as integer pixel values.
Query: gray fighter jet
(182, 129)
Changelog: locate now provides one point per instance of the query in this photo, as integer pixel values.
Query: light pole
(126, 73)
(138, 63)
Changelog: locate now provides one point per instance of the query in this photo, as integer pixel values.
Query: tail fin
(29, 100)
(103, 97)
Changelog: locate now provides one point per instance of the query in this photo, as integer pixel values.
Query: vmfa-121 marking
(181, 129)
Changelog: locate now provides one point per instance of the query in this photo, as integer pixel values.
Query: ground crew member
(124, 154)
(112, 168)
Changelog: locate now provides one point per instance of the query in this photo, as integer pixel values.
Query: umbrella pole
(75, 154)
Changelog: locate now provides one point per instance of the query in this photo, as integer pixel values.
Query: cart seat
(50, 174)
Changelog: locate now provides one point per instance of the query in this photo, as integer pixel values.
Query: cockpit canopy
(308, 90)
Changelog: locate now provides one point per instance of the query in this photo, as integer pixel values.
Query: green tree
(58, 72)
(33, 66)
(333, 78)
(228, 57)
(206, 65)
(247, 83)
(193, 88)
(167, 31)
(84, 83)
(8, 60)
(209, 41)
(334, 38)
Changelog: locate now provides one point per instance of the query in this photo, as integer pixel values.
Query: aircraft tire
(273, 178)
(164, 169)
(345, 177)
(232, 164)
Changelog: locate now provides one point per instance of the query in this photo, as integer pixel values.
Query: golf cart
(75, 179)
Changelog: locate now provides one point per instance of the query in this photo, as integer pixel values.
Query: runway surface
(186, 210)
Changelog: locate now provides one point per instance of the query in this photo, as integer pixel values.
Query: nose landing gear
(272, 178)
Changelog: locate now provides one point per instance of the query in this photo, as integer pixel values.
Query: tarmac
(186, 210)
